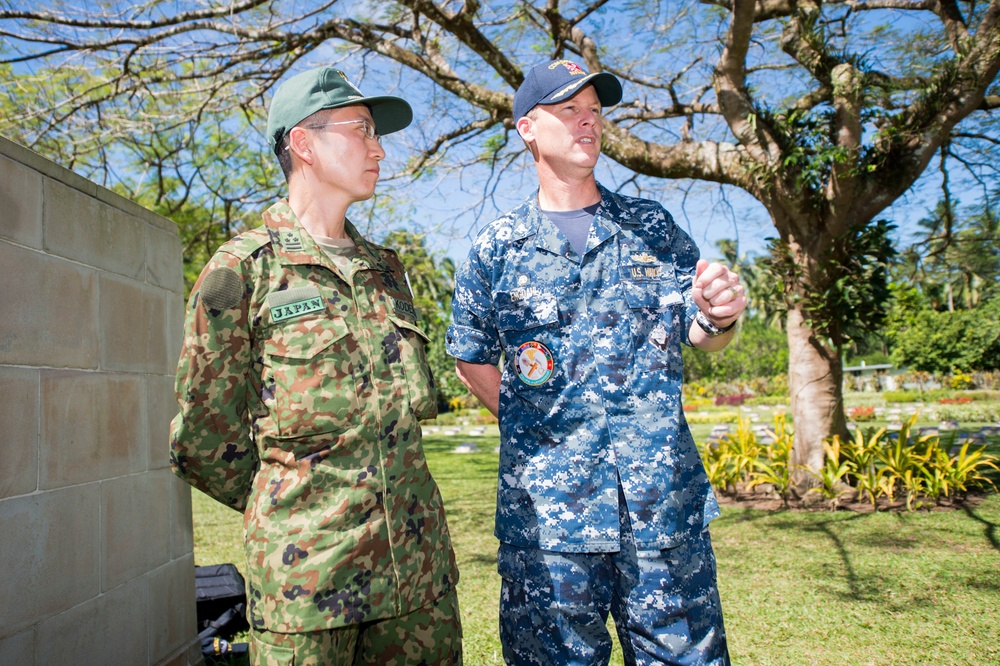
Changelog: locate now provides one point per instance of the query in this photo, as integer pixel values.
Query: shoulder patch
(221, 289)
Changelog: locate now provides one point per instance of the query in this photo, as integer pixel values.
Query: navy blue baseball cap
(557, 81)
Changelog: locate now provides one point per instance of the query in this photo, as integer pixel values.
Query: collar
(293, 245)
(531, 221)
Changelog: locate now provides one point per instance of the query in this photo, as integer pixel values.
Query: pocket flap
(305, 338)
(652, 295)
(522, 314)
(402, 323)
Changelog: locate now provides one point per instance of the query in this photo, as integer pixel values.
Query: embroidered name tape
(296, 302)
(404, 308)
(646, 272)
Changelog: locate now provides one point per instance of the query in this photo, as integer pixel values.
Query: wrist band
(711, 329)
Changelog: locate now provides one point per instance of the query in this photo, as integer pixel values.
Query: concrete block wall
(96, 563)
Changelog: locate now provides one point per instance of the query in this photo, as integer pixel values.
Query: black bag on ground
(221, 601)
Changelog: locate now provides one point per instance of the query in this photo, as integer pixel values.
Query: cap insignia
(570, 66)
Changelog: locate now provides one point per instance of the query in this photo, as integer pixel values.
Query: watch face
(711, 329)
(707, 325)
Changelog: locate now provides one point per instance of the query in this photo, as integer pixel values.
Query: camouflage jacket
(300, 390)
(592, 370)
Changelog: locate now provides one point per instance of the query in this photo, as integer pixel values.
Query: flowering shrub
(862, 413)
(482, 416)
(693, 405)
(693, 390)
(711, 417)
(987, 380)
(961, 380)
(977, 412)
(731, 400)
(960, 400)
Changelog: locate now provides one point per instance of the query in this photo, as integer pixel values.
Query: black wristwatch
(711, 329)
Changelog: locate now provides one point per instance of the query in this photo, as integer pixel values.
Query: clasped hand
(718, 293)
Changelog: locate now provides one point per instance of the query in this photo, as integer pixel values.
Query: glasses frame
(370, 131)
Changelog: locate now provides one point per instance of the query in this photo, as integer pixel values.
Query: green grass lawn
(797, 588)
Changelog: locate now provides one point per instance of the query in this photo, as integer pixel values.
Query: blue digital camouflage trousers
(554, 606)
(429, 636)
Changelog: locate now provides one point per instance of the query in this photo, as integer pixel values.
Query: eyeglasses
(369, 127)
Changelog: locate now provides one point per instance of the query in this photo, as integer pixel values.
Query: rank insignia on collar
(644, 258)
(291, 241)
(533, 363)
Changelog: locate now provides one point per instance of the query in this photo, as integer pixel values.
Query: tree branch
(461, 25)
(730, 87)
(990, 102)
(130, 23)
(905, 145)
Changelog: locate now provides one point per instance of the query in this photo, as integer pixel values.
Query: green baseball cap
(327, 88)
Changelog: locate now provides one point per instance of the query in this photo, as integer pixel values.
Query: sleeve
(686, 254)
(472, 335)
(210, 441)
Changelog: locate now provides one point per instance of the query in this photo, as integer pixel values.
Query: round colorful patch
(533, 363)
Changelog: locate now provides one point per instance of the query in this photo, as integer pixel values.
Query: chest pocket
(524, 324)
(309, 380)
(656, 307)
(412, 343)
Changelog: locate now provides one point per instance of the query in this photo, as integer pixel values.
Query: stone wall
(96, 544)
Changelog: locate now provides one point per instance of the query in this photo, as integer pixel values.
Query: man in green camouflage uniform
(301, 383)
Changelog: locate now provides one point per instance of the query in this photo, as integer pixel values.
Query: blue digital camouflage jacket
(591, 389)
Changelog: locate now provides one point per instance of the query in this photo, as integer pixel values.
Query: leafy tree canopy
(947, 342)
(787, 100)
(956, 264)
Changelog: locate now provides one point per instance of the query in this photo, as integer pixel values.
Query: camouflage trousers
(429, 636)
(554, 606)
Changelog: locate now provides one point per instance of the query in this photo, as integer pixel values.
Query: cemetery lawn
(822, 588)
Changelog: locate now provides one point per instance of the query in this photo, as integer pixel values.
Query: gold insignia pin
(644, 258)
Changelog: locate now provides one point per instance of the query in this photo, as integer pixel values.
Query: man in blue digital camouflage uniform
(586, 295)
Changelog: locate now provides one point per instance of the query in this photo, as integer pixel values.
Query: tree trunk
(815, 383)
